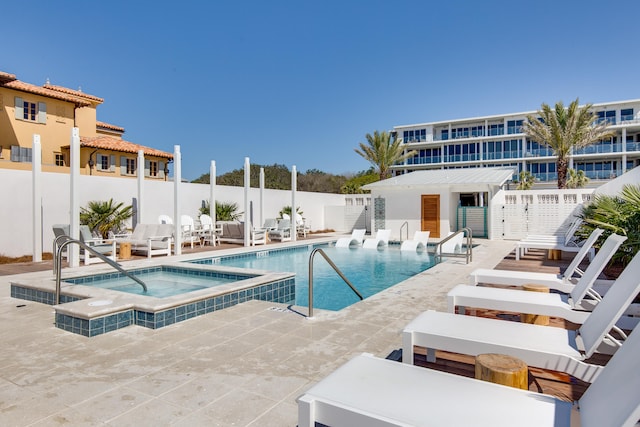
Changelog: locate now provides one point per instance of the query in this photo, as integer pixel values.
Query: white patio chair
(369, 391)
(283, 232)
(564, 282)
(207, 232)
(547, 304)
(540, 346)
(380, 240)
(357, 236)
(98, 244)
(419, 242)
(189, 234)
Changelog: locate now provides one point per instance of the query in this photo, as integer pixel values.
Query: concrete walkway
(242, 366)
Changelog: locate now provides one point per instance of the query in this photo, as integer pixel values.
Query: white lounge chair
(151, 239)
(164, 219)
(540, 346)
(369, 391)
(453, 245)
(418, 243)
(283, 232)
(103, 247)
(547, 304)
(380, 240)
(564, 282)
(566, 242)
(568, 238)
(357, 236)
(270, 224)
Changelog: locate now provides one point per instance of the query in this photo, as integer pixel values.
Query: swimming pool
(369, 270)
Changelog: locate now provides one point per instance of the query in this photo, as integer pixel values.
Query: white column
(177, 223)
(261, 197)
(247, 184)
(36, 203)
(74, 214)
(140, 170)
(212, 192)
(294, 234)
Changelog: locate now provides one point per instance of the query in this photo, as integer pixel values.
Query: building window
(514, 126)
(30, 111)
(607, 116)
(20, 154)
(496, 129)
(131, 166)
(418, 135)
(153, 168)
(105, 163)
(59, 159)
(626, 114)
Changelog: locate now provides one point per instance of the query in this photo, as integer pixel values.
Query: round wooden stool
(125, 250)
(554, 254)
(535, 318)
(502, 369)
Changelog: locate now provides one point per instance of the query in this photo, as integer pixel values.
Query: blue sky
(302, 82)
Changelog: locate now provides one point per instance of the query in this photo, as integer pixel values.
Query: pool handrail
(57, 261)
(468, 253)
(406, 223)
(337, 270)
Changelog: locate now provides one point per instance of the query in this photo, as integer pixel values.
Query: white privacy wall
(516, 213)
(16, 213)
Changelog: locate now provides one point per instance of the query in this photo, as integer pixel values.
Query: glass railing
(600, 148)
(423, 160)
(546, 176)
(601, 174)
(608, 120)
(633, 146)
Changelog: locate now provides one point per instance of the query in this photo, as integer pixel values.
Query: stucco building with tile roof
(52, 112)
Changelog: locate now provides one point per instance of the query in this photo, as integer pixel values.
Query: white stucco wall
(16, 234)
(404, 205)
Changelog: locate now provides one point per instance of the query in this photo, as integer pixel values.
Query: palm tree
(525, 180)
(618, 214)
(563, 129)
(105, 217)
(383, 153)
(576, 179)
(225, 211)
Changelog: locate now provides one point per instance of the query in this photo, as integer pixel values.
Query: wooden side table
(502, 369)
(125, 250)
(535, 318)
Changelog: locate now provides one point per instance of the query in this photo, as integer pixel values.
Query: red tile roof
(72, 92)
(41, 90)
(109, 126)
(6, 77)
(114, 144)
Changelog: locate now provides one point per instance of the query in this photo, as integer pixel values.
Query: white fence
(516, 213)
(16, 215)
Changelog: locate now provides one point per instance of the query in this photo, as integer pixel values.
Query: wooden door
(431, 214)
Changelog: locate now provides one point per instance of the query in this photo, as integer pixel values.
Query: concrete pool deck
(242, 366)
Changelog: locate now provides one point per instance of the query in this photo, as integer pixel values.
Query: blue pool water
(161, 281)
(369, 270)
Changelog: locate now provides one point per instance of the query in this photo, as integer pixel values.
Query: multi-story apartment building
(499, 141)
(52, 112)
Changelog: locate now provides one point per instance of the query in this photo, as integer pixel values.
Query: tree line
(278, 177)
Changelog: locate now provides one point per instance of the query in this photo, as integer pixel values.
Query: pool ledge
(92, 311)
